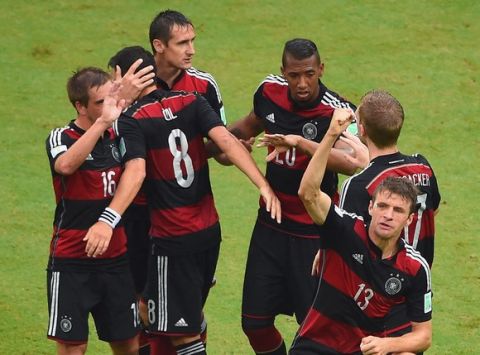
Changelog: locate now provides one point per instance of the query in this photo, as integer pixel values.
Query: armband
(110, 217)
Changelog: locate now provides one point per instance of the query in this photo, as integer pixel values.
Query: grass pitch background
(424, 52)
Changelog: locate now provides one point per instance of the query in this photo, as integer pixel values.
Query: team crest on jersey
(309, 131)
(393, 284)
(66, 324)
(116, 153)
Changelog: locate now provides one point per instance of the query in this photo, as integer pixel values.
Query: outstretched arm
(241, 158)
(316, 202)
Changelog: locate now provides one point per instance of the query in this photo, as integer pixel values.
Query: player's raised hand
(133, 83)
(113, 105)
(281, 143)
(359, 155)
(98, 238)
(340, 120)
(272, 203)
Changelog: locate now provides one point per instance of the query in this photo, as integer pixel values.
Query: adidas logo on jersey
(358, 258)
(89, 157)
(181, 323)
(270, 117)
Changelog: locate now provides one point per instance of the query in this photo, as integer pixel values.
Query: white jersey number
(290, 156)
(368, 294)
(180, 155)
(422, 201)
(109, 185)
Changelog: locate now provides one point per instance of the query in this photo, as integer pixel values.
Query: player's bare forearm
(241, 158)
(418, 340)
(315, 201)
(247, 127)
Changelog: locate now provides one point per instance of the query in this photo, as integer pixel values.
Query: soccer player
(277, 277)
(167, 129)
(86, 171)
(380, 119)
(365, 270)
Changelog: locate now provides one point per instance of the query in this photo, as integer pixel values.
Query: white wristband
(110, 217)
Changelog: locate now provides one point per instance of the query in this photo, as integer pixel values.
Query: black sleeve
(57, 143)
(206, 118)
(131, 139)
(215, 100)
(258, 101)
(419, 296)
(338, 226)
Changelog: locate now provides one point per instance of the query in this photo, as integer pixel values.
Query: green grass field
(424, 52)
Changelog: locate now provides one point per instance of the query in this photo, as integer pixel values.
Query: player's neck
(388, 246)
(147, 91)
(374, 151)
(168, 74)
(83, 122)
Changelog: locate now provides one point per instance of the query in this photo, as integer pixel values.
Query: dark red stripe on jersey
(161, 163)
(331, 333)
(168, 106)
(407, 263)
(87, 184)
(350, 284)
(279, 95)
(292, 208)
(179, 221)
(68, 243)
(188, 82)
(419, 174)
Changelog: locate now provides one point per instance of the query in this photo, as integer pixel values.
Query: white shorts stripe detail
(54, 284)
(162, 268)
(192, 349)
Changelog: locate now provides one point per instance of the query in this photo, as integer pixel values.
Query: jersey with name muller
(358, 189)
(281, 114)
(81, 197)
(168, 130)
(358, 288)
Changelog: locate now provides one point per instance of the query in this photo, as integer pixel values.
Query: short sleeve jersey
(82, 196)
(358, 189)
(168, 130)
(280, 114)
(358, 289)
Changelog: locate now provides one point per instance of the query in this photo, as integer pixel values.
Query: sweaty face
(302, 77)
(95, 102)
(390, 214)
(179, 50)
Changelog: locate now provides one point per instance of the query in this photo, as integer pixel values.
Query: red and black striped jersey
(358, 289)
(358, 189)
(194, 80)
(168, 130)
(82, 196)
(280, 114)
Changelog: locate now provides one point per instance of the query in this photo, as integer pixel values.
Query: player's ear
(282, 70)
(370, 207)
(82, 110)
(158, 45)
(321, 68)
(410, 219)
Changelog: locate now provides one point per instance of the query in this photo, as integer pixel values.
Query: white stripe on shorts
(52, 323)
(162, 269)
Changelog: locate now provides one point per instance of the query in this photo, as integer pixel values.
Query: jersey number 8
(179, 156)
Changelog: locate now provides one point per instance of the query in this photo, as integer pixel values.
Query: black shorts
(278, 274)
(108, 296)
(177, 289)
(137, 225)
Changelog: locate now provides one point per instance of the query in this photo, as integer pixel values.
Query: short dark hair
(162, 24)
(401, 186)
(382, 116)
(300, 48)
(82, 80)
(125, 57)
